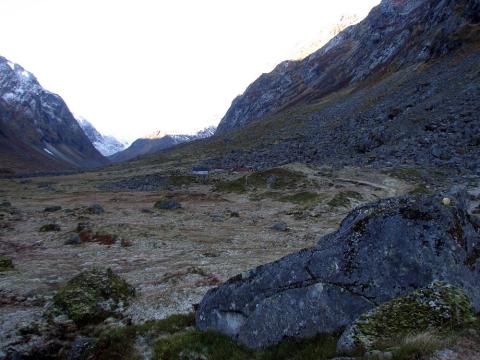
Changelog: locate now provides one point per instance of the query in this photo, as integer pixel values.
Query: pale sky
(132, 67)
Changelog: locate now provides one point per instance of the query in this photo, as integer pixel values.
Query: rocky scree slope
(106, 145)
(380, 252)
(396, 34)
(38, 133)
(157, 142)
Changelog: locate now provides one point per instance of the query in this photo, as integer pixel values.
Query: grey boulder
(380, 252)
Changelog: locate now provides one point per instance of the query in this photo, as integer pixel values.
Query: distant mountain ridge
(106, 145)
(158, 141)
(38, 133)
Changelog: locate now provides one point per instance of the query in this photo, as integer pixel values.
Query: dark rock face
(380, 252)
(37, 130)
(396, 34)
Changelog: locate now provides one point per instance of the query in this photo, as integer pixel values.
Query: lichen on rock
(92, 296)
(437, 307)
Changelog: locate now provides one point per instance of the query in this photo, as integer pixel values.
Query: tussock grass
(416, 346)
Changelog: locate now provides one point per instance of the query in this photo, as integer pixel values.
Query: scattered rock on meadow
(125, 243)
(74, 239)
(94, 209)
(234, 214)
(105, 238)
(167, 204)
(52, 209)
(280, 226)
(49, 228)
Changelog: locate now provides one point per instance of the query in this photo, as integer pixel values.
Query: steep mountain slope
(158, 141)
(106, 145)
(396, 34)
(38, 133)
(417, 112)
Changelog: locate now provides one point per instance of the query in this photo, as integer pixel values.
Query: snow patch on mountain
(105, 144)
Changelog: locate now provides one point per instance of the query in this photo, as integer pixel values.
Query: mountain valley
(334, 213)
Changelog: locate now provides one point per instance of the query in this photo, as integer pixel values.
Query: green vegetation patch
(275, 179)
(305, 198)
(200, 345)
(343, 199)
(49, 228)
(408, 174)
(233, 186)
(176, 338)
(439, 307)
(420, 189)
(273, 195)
(116, 343)
(418, 346)
(5, 263)
(180, 180)
(119, 342)
(92, 296)
(215, 346)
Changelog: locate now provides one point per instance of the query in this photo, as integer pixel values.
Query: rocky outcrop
(106, 145)
(157, 142)
(395, 35)
(37, 130)
(380, 252)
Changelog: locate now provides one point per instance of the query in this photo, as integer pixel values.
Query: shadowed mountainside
(38, 133)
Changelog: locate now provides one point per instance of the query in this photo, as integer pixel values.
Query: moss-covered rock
(437, 307)
(5, 263)
(92, 296)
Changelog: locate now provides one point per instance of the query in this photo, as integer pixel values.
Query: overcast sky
(136, 66)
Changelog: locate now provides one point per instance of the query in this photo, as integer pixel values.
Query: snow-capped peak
(106, 145)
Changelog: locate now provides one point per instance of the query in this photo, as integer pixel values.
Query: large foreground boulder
(380, 252)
